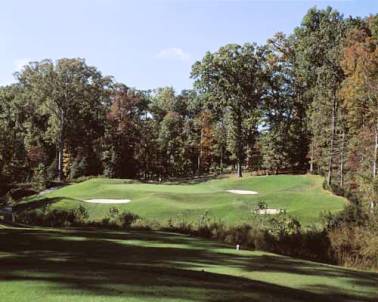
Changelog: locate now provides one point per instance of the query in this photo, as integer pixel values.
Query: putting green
(301, 196)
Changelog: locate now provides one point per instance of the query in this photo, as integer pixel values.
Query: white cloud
(173, 53)
(20, 63)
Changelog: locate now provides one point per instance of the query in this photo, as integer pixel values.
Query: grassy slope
(301, 195)
(90, 265)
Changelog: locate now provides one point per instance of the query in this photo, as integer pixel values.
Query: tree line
(301, 102)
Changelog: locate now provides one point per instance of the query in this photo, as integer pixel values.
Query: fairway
(301, 196)
(55, 265)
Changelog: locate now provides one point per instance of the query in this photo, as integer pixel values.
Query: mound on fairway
(96, 266)
(301, 196)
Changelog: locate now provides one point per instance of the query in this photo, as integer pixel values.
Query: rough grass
(301, 195)
(55, 265)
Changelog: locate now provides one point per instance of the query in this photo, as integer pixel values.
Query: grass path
(301, 195)
(54, 265)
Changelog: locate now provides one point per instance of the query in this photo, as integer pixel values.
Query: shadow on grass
(181, 180)
(156, 265)
(40, 203)
(195, 180)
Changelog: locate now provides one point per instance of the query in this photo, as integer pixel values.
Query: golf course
(189, 151)
(98, 264)
(301, 196)
(92, 265)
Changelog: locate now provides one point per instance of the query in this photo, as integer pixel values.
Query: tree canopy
(306, 101)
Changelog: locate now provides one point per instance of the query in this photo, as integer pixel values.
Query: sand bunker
(108, 201)
(243, 192)
(269, 211)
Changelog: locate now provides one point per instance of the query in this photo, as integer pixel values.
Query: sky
(145, 44)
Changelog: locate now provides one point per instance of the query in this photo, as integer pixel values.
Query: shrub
(353, 237)
(115, 219)
(261, 205)
(113, 212)
(54, 217)
(126, 219)
(355, 246)
(281, 234)
(282, 225)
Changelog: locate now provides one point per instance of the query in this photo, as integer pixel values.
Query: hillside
(301, 196)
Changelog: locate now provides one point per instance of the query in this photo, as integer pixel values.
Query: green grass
(54, 265)
(301, 195)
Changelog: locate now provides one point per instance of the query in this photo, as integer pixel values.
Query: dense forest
(307, 101)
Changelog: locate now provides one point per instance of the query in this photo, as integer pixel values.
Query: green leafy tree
(318, 45)
(124, 131)
(74, 97)
(231, 79)
(13, 154)
(285, 136)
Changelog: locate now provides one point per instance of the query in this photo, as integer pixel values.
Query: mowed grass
(54, 265)
(301, 195)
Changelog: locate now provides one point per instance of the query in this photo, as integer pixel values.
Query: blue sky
(145, 44)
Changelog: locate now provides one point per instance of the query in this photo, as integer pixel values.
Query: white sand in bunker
(108, 201)
(269, 211)
(242, 192)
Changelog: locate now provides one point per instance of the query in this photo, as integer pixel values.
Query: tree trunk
(239, 171)
(372, 206)
(332, 142)
(221, 159)
(199, 164)
(61, 147)
(60, 161)
(312, 158)
(375, 153)
(199, 154)
(342, 160)
(239, 144)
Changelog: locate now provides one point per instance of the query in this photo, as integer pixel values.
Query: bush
(126, 219)
(281, 234)
(283, 225)
(353, 237)
(355, 246)
(119, 220)
(261, 205)
(50, 217)
(54, 217)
